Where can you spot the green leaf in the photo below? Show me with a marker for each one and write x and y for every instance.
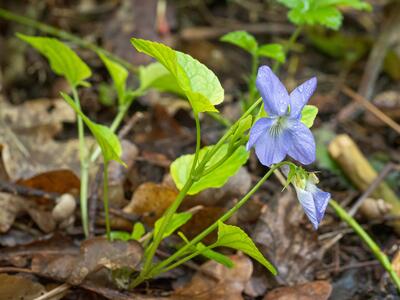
(156, 76)
(308, 115)
(214, 255)
(290, 175)
(106, 94)
(119, 76)
(274, 51)
(242, 127)
(241, 39)
(63, 61)
(180, 168)
(328, 16)
(107, 140)
(323, 12)
(138, 231)
(199, 84)
(233, 237)
(120, 235)
(178, 219)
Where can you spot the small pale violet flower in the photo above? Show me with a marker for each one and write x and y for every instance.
(313, 200)
(282, 133)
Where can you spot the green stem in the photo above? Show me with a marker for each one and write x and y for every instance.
(153, 247)
(382, 258)
(7, 15)
(84, 165)
(220, 119)
(114, 125)
(164, 264)
(288, 47)
(106, 200)
(175, 205)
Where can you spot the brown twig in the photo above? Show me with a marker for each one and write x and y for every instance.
(372, 108)
(128, 125)
(21, 190)
(206, 33)
(374, 185)
(54, 292)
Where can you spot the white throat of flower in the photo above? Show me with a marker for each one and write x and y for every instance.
(279, 125)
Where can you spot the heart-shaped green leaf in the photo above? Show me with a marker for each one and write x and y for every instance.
(199, 83)
(180, 168)
(156, 76)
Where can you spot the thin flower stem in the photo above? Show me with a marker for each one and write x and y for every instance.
(382, 258)
(106, 200)
(114, 125)
(293, 38)
(84, 165)
(164, 264)
(175, 205)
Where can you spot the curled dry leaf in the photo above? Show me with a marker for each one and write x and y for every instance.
(283, 236)
(15, 287)
(150, 200)
(225, 284)
(317, 290)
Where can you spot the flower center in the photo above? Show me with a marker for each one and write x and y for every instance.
(278, 126)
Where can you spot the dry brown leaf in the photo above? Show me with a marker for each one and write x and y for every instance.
(95, 254)
(26, 138)
(283, 236)
(201, 220)
(230, 284)
(10, 207)
(317, 290)
(56, 181)
(151, 200)
(15, 287)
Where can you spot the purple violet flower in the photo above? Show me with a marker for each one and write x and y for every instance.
(314, 201)
(282, 132)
